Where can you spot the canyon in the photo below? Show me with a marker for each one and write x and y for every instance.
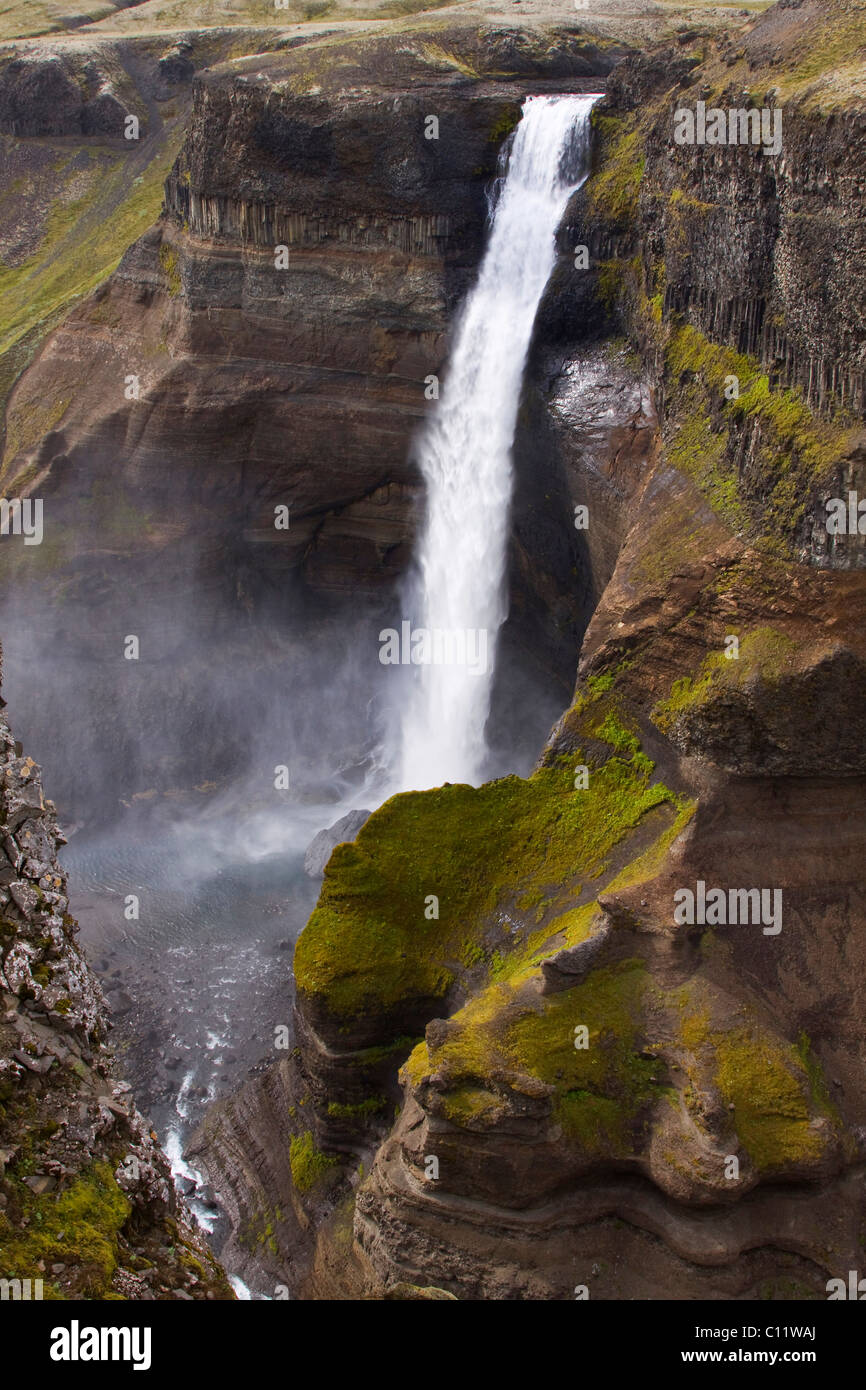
(434, 1130)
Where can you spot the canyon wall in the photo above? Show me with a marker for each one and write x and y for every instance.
(554, 1085)
(598, 1096)
(214, 383)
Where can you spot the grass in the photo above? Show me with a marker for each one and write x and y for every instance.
(20, 20)
(83, 242)
(118, 196)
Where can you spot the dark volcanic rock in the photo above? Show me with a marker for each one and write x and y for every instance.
(63, 1112)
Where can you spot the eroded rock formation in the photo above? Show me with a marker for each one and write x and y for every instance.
(599, 1093)
(87, 1202)
(557, 1082)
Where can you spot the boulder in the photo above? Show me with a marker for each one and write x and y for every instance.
(320, 847)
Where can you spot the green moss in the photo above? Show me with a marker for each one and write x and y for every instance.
(83, 239)
(598, 1095)
(310, 1167)
(610, 283)
(680, 202)
(695, 1027)
(649, 864)
(77, 1226)
(821, 1098)
(467, 1105)
(471, 954)
(258, 1231)
(699, 451)
(598, 1091)
(373, 1105)
(793, 449)
(368, 945)
(670, 539)
(597, 1123)
(765, 1081)
(617, 735)
(27, 423)
(599, 685)
(468, 1051)
(612, 192)
(168, 261)
(372, 1057)
(446, 57)
(765, 654)
(507, 121)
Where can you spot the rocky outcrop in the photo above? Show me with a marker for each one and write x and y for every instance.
(43, 94)
(320, 847)
(737, 271)
(87, 1203)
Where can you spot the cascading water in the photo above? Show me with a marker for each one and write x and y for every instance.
(457, 592)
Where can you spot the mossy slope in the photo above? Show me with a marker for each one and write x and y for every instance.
(369, 948)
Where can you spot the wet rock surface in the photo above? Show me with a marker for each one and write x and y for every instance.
(320, 847)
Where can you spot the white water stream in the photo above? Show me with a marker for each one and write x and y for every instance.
(457, 593)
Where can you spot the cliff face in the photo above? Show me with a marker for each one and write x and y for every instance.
(758, 262)
(244, 365)
(87, 1203)
(289, 380)
(602, 1093)
(562, 1082)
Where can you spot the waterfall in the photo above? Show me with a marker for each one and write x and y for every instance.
(457, 591)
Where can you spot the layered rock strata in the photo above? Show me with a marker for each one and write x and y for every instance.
(610, 1090)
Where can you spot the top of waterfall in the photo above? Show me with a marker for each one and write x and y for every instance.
(550, 144)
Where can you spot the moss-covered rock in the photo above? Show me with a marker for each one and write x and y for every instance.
(406, 909)
(78, 1227)
(310, 1167)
